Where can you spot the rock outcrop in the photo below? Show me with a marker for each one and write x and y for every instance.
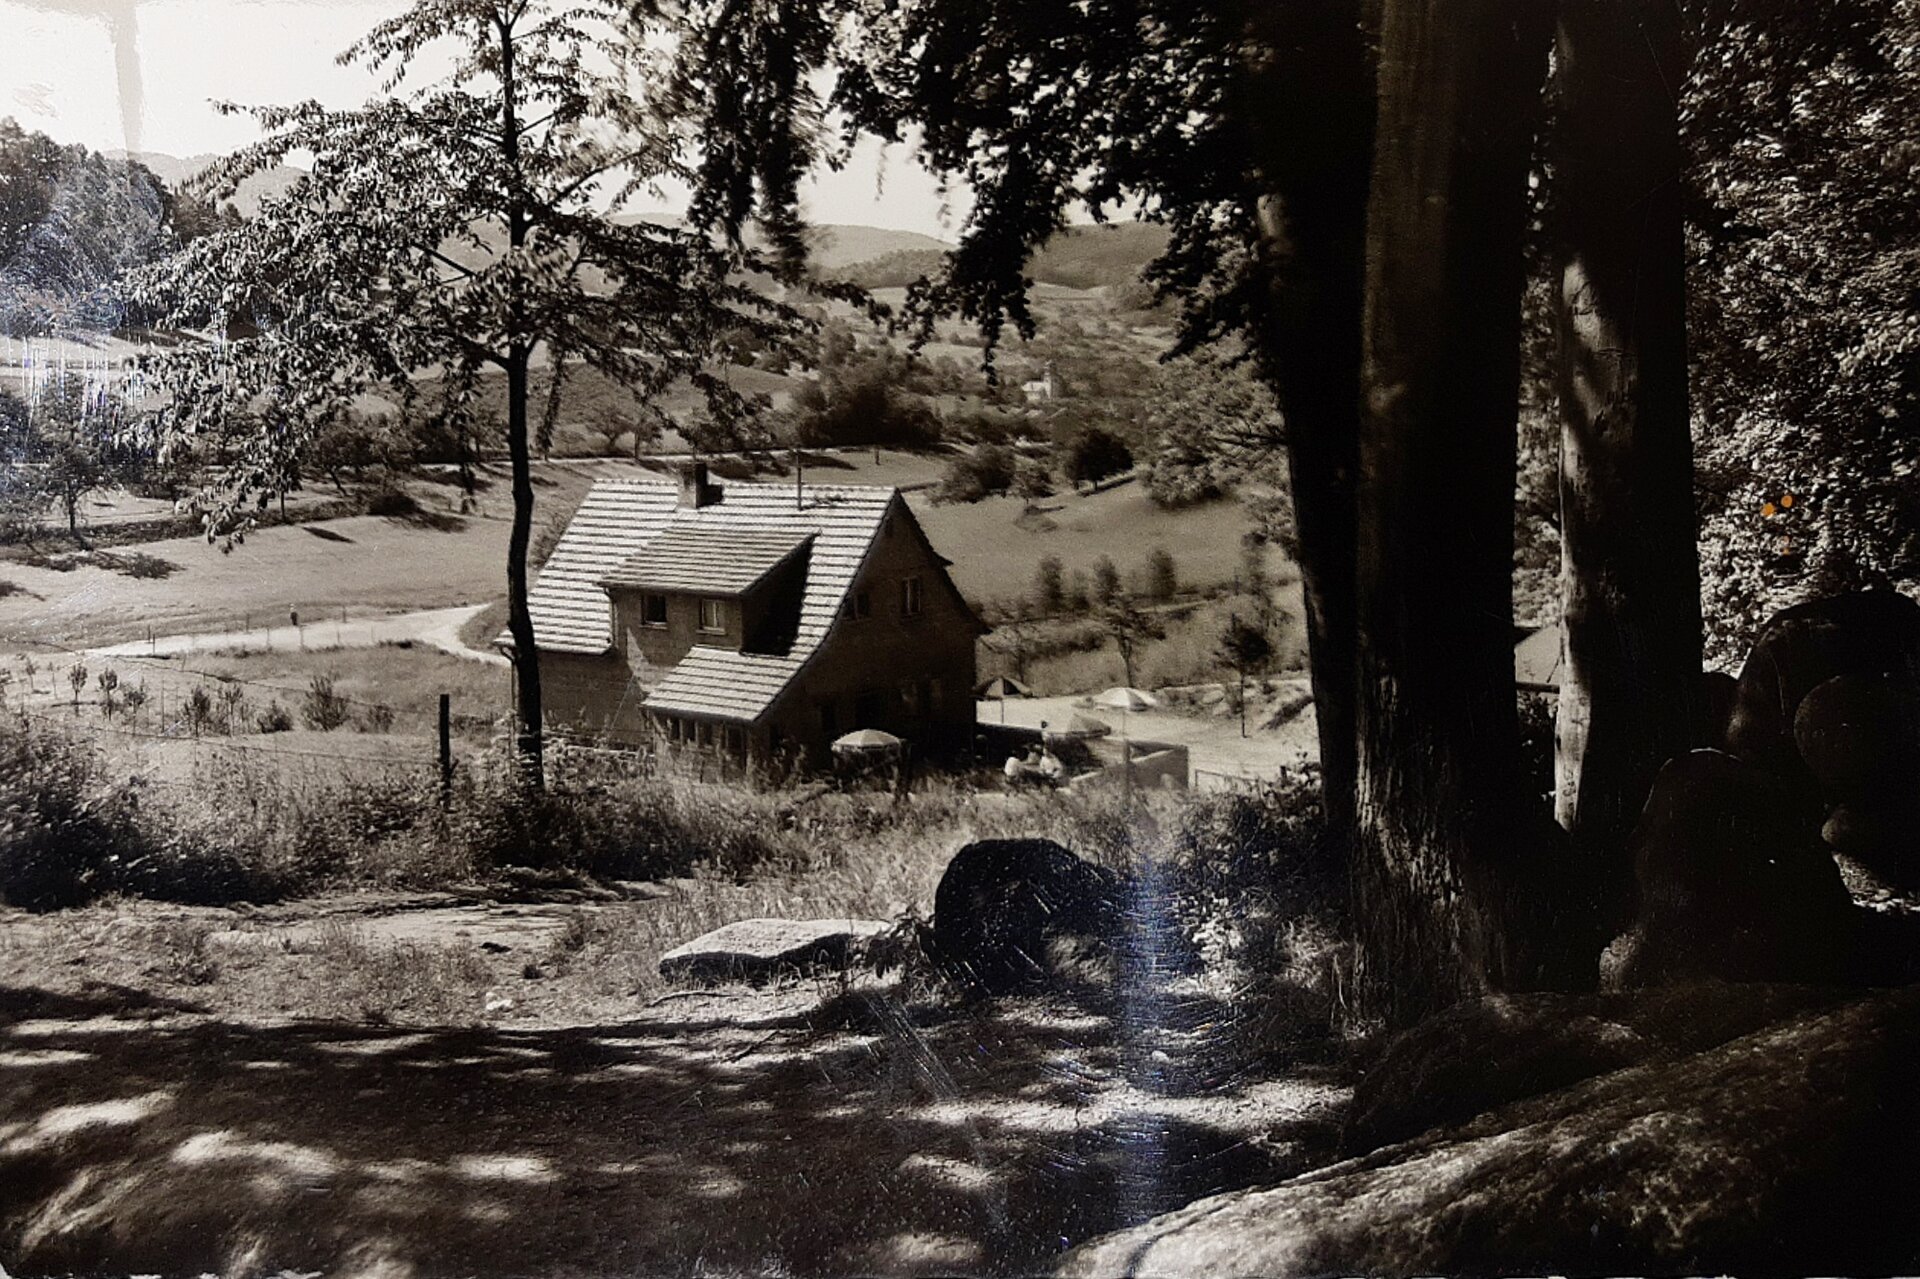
(1478, 1056)
(1788, 1150)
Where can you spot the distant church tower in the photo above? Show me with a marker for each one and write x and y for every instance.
(1042, 387)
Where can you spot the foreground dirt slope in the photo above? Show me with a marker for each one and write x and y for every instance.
(747, 1132)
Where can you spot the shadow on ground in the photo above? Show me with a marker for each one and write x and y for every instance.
(855, 1137)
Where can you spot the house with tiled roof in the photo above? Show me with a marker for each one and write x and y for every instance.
(757, 622)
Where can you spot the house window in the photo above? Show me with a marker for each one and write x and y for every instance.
(675, 729)
(910, 597)
(736, 738)
(858, 605)
(713, 616)
(706, 733)
(910, 697)
(653, 610)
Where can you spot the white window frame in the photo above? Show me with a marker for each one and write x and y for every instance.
(717, 607)
(913, 596)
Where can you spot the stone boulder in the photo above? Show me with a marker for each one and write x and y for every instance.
(1730, 882)
(1480, 1055)
(1859, 735)
(759, 950)
(1865, 633)
(1022, 914)
(1788, 1150)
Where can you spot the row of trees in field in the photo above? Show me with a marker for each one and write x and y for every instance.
(1351, 194)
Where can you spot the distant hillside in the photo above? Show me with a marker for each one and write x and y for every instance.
(71, 220)
(836, 246)
(175, 171)
(1082, 257)
(1088, 257)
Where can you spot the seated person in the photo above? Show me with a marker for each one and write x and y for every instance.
(1016, 767)
(1052, 769)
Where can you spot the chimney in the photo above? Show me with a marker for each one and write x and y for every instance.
(695, 491)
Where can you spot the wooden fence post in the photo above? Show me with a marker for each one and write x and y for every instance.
(446, 749)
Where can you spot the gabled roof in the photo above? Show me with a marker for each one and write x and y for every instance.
(708, 555)
(619, 519)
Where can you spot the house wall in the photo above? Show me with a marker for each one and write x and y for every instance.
(654, 649)
(872, 671)
(592, 695)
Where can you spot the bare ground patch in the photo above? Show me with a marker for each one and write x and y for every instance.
(815, 1129)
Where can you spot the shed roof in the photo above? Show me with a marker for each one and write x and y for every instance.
(710, 556)
(619, 519)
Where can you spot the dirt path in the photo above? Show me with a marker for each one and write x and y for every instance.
(795, 1131)
(438, 628)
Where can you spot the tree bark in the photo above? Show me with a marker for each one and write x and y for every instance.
(1630, 578)
(1444, 892)
(528, 740)
(1312, 94)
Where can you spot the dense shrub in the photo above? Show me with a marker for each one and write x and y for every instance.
(274, 719)
(863, 404)
(394, 502)
(1092, 454)
(61, 825)
(1162, 575)
(981, 472)
(72, 831)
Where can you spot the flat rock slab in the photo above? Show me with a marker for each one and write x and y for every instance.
(755, 950)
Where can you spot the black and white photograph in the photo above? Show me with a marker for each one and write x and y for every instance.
(829, 638)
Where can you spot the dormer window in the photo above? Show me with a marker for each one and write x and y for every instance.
(653, 610)
(713, 616)
(911, 597)
(859, 605)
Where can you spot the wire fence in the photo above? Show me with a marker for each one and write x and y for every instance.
(160, 698)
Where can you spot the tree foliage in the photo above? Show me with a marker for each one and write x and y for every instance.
(457, 225)
(1805, 310)
(72, 438)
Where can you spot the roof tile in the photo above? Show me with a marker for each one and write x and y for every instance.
(620, 526)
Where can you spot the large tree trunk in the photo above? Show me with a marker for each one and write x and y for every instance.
(1629, 570)
(528, 740)
(1444, 892)
(1312, 94)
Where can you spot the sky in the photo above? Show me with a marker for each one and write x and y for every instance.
(142, 75)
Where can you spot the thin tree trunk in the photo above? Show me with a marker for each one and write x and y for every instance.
(1441, 876)
(1630, 575)
(529, 743)
(526, 657)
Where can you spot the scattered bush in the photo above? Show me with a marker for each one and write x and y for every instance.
(322, 708)
(376, 719)
(200, 717)
(274, 719)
